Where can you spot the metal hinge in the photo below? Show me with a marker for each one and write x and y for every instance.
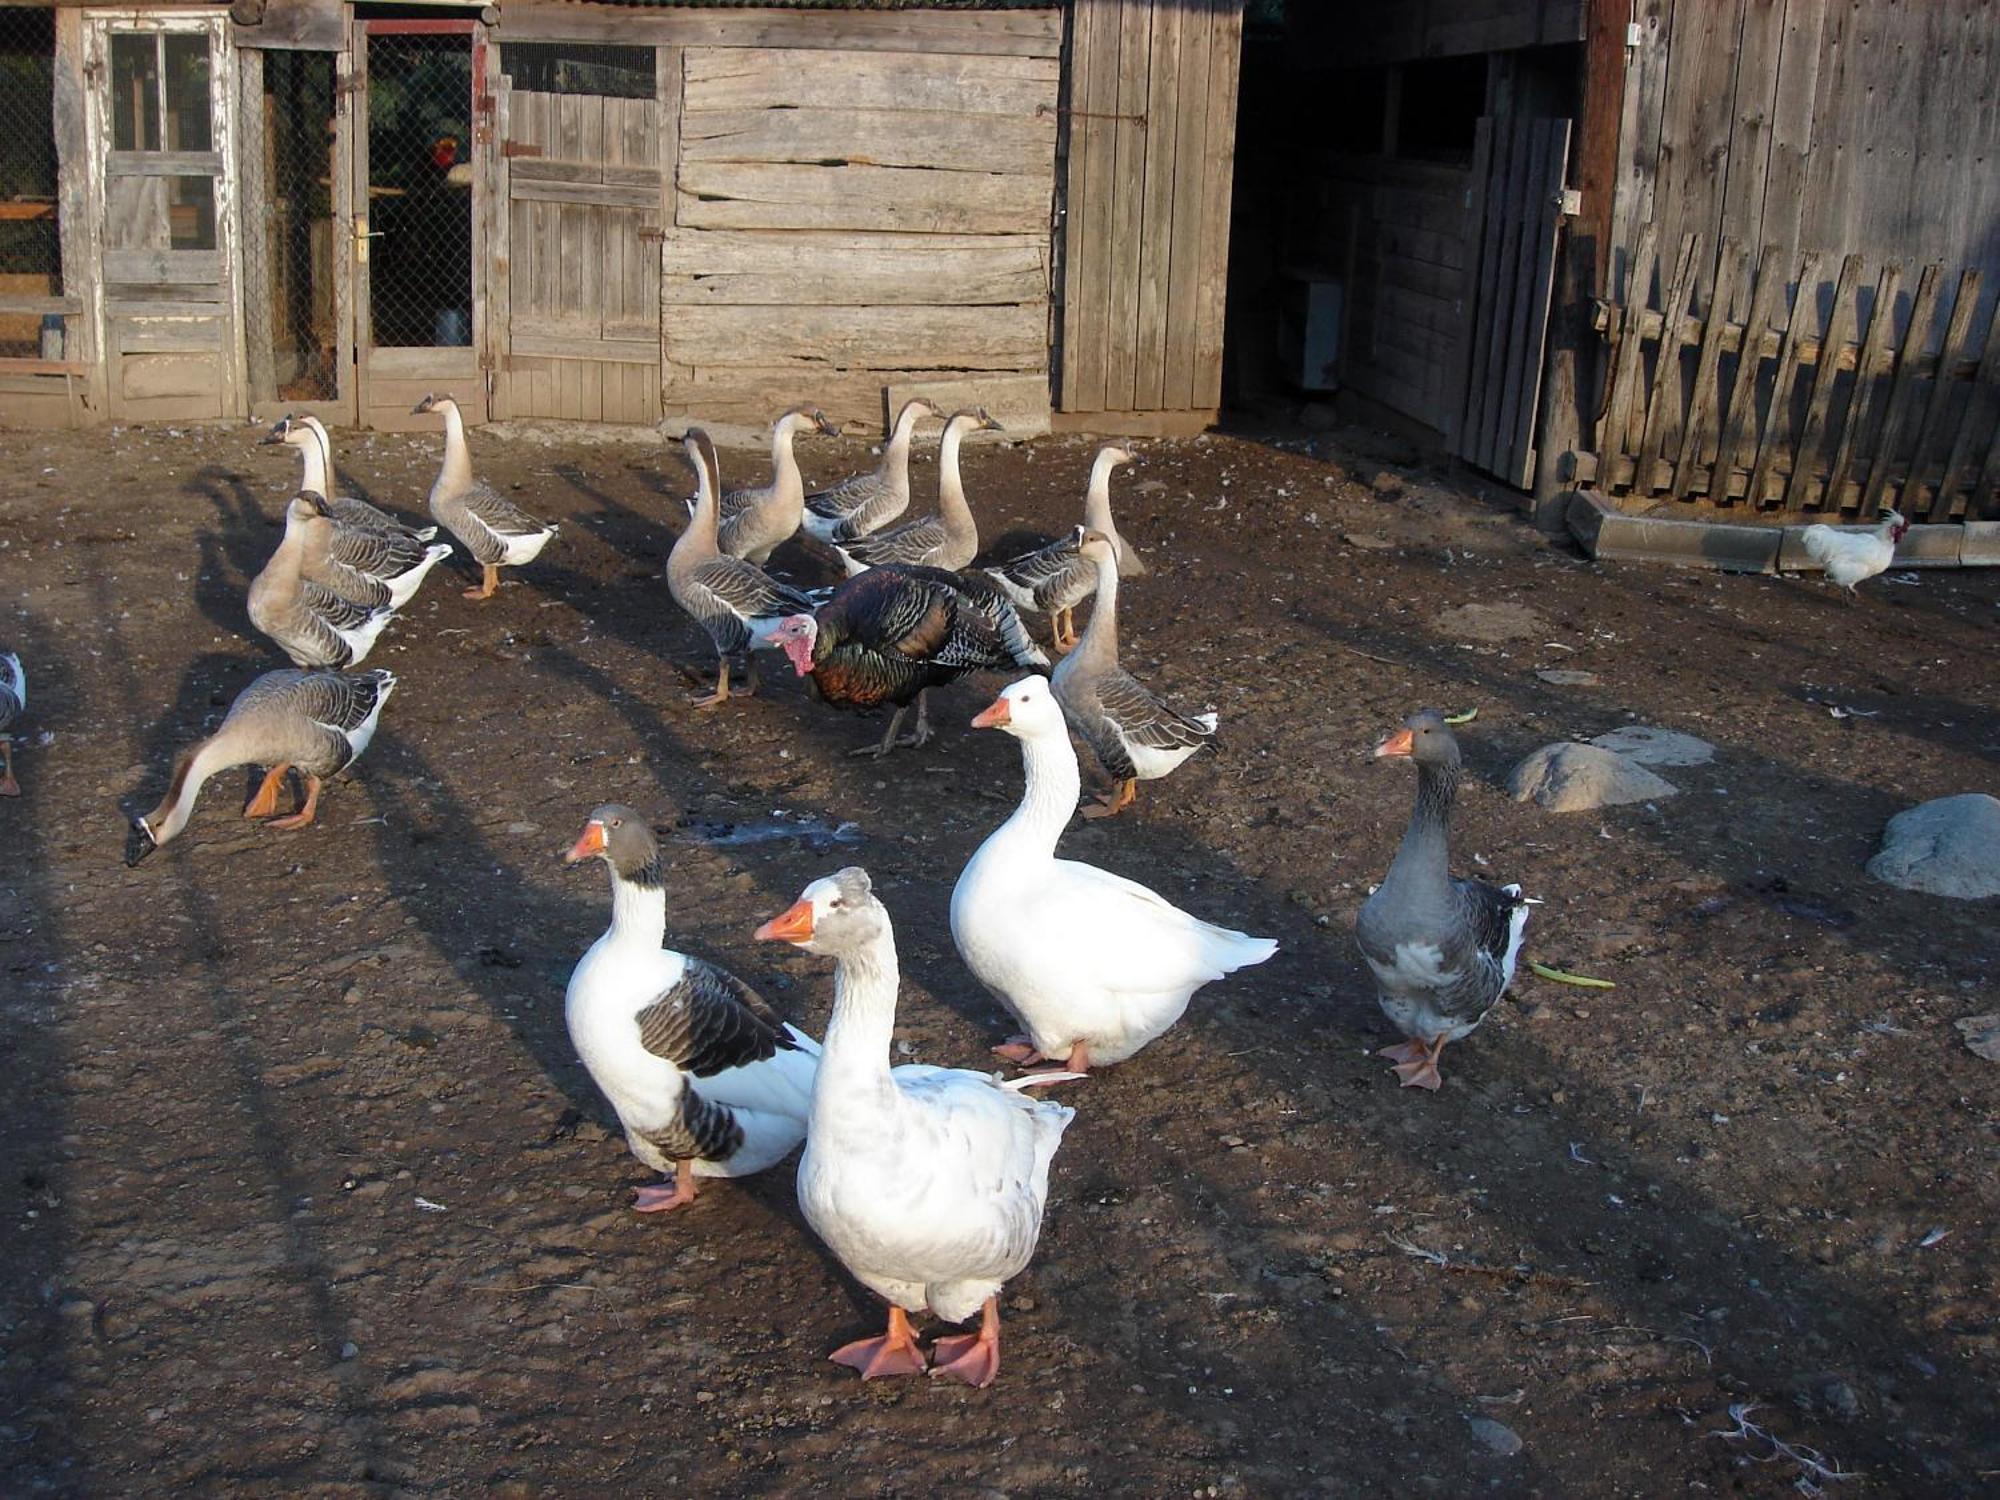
(1569, 202)
(519, 148)
(653, 236)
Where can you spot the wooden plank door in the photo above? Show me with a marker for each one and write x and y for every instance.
(1520, 165)
(1151, 131)
(421, 145)
(161, 122)
(578, 319)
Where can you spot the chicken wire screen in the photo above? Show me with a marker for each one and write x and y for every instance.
(30, 245)
(420, 190)
(289, 267)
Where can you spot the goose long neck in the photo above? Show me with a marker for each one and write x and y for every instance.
(785, 475)
(315, 476)
(639, 910)
(456, 473)
(952, 504)
(1048, 797)
(207, 759)
(702, 533)
(1099, 645)
(1423, 859)
(854, 1064)
(1097, 499)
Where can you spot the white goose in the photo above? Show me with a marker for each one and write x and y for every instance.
(707, 1081)
(1095, 966)
(928, 1183)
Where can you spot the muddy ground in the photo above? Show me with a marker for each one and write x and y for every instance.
(306, 1193)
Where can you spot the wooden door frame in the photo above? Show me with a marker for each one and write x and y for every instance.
(474, 403)
(99, 25)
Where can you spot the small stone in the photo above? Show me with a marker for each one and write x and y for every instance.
(1387, 484)
(1568, 677)
(1021, 1304)
(1982, 1035)
(350, 1350)
(702, 1398)
(1368, 541)
(1571, 777)
(1946, 847)
(1496, 1437)
(1651, 746)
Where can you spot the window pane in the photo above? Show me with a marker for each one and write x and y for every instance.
(191, 213)
(570, 68)
(30, 247)
(135, 93)
(187, 94)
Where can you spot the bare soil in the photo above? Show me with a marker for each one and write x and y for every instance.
(305, 1192)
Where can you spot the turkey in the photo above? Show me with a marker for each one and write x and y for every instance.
(1853, 557)
(891, 634)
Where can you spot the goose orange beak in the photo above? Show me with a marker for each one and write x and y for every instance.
(1402, 742)
(588, 845)
(792, 925)
(995, 714)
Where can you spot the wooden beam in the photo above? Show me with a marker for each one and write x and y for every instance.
(1008, 33)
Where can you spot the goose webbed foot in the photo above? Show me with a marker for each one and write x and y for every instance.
(1020, 1050)
(1416, 1063)
(488, 584)
(972, 1357)
(266, 801)
(659, 1198)
(305, 814)
(1113, 803)
(894, 1353)
(721, 693)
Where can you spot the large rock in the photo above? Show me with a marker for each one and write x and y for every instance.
(1947, 847)
(1651, 746)
(1571, 777)
(1490, 623)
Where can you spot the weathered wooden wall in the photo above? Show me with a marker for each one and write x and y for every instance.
(1151, 157)
(846, 220)
(1834, 127)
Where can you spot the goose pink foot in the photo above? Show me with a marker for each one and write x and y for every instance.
(661, 1199)
(1416, 1063)
(972, 1357)
(894, 1353)
(1018, 1049)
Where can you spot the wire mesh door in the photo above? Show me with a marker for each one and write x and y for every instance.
(416, 238)
(293, 224)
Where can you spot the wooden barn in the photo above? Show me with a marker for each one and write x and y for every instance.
(621, 213)
(1738, 253)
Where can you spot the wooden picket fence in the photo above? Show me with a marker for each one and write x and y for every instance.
(1826, 413)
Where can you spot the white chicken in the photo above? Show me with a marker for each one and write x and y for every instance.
(1852, 557)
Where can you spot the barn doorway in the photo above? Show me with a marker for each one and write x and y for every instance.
(416, 230)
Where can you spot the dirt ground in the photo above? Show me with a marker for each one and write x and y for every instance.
(307, 1194)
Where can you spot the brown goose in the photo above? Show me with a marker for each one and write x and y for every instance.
(1442, 950)
(310, 623)
(497, 532)
(755, 521)
(707, 1081)
(1055, 578)
(949, 539)
(866, 502)
(1134, 735)
(733, 599)
(317, 722)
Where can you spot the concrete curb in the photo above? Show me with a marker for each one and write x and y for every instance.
(1734, 547)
